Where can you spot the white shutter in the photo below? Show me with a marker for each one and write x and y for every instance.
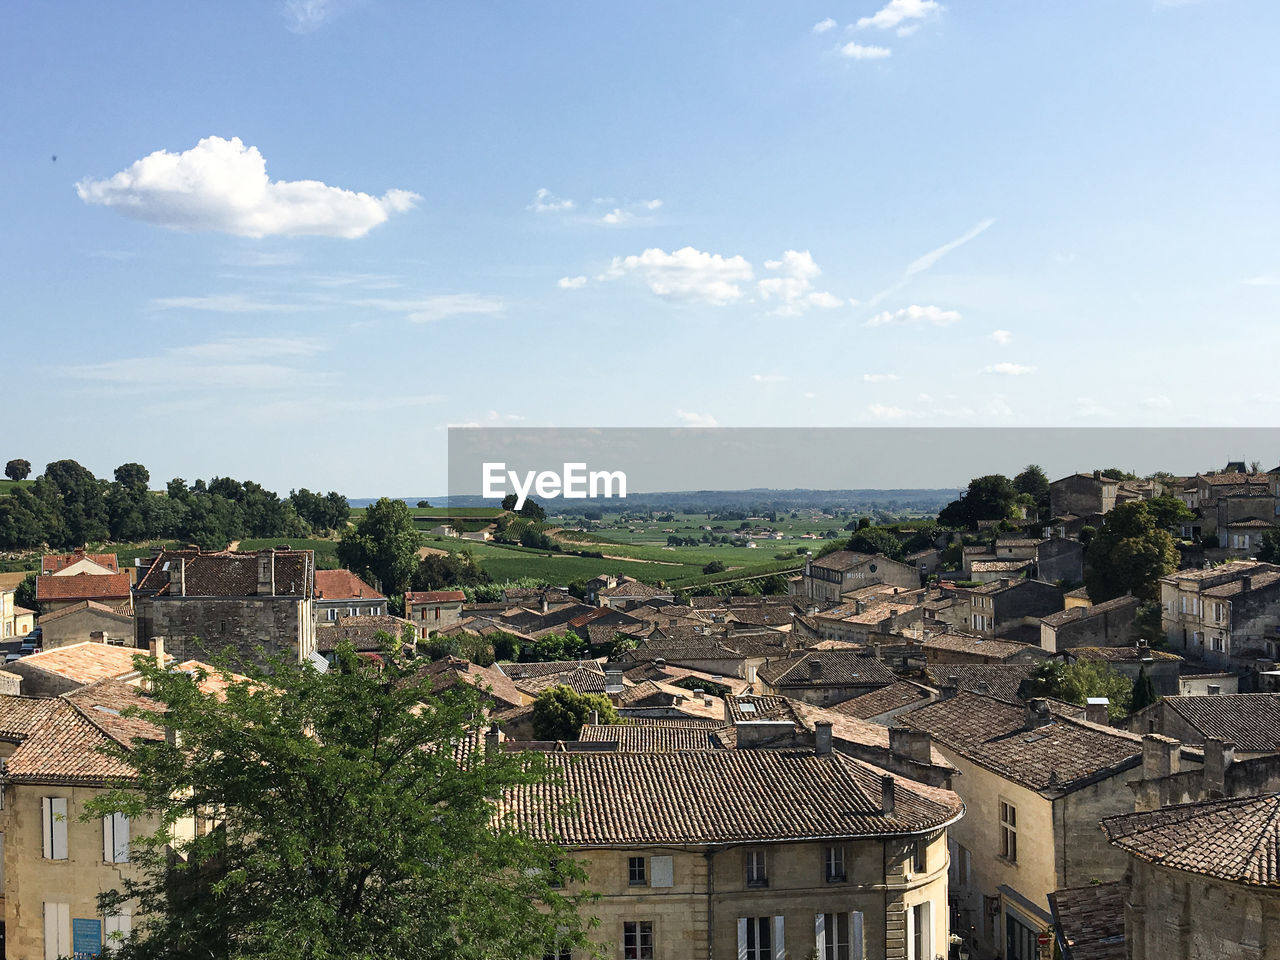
(820, 932)
(55, 828)
(661, 872)
(911, 933)
(117, 928)
(779, 940)
(57, 930)
(115, 838)
(856, 951)
(742, 938)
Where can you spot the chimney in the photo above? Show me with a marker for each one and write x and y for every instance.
(1037, 713)
(660, 662)
(1218, 757)
(613, 681)
(982, 687)
(698, 691)
(953, 685)
(1246, 584)
(886, 795)
(544, 602)
(1097, 474)
(912, 744)
(815, 670)
(1160, 756)
(822, 737)
(178, 577)
(266, 573)
(492, 737)
(875, 651)
(1095, 710)
(595, 717)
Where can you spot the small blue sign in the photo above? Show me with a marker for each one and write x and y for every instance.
(86, 938)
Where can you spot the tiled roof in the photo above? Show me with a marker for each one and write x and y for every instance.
(524, 671)
(1250, 523)
(656, 737)
(877, 702)
(1236, 839)
(20, 715)
(636, 590)
(962, 643)
(359, 630)
(84, 662)
(838, 668)
(586, 679)
(1084, 613)
(228, 574)
(82, 586)
(445, 673)
(1129, 654)
(1090, 920)
(1257, 581)
(1001, 680)
(1233, 568)
(1056, 756)
(1000, 566)
(104, 702)
(94, 605)
(1249, 720)
(431, 596)
(344, 585)
(720, 797)
(747, 708)
(53, 562)
(842, 560)
(65, 748)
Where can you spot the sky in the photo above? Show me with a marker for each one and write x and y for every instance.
(297, 241)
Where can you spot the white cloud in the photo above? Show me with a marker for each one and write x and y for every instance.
(768, 377)
(914, 314)
(571, 283)
(696, 419)
(687, 274)
(616, 215)
(895, 12)
(1002, 337)
(226, 303)
(822, 26)
(792, 285)
(933, 256)
(880, 377)
(858, 51)
(253, 362)
(653, 204)
(303, 16)
(1009, 369)
(222, 185)
(882, 412)
(544, 201)
(439, 307)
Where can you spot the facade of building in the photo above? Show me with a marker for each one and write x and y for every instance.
(1110, 624)
(79, 622)
(1223, 615)
(824, 678)
(431, 610)
(1082, 494)
(829, 578)
(340, 593)
(15, 621)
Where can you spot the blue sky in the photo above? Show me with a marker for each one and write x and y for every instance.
(293, 242)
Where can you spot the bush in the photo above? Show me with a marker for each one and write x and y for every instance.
(560, 713)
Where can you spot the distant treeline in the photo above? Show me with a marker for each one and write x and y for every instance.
(749, 502)
(67, 506)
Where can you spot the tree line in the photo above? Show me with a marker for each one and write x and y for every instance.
(67, 506)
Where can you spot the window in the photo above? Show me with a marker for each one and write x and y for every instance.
(57, 930)
(637, 940)
(635, 872)
(835, 865)
(55, 828)
(1008, 832)
(839, 936)
(437, 613)
(1020, 940)
(115, 838)
(920, 857)
(760, 938)
(756, 873)
(921, 936)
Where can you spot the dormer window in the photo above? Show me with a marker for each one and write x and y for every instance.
(834, 865)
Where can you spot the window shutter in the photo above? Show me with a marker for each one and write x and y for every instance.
(911, 933)
(55, 828)
(779, 941)
(742, 938)
(57, 932)
(820, 933)
(108, 839)
(46, 805)
(856, 951)
(115, 838)
(117, 928)
(661, 872)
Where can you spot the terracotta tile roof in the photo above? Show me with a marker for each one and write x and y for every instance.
(656, 737)
(84, 662)
(746, 708)
(523, 671)
(1257, 581)
(583, 680)
(361, 631)
(878, 702)
(229, 574)
(497, 685)
(842, 560)
(82, 586)
(838, 668)
(720, 797)
(20, 715)
(1232, 568)
(1001, 680)
(1129, 654)
(431, 596)
(94, 605)
(1249, 720)
(343, 585)
(66, 747)
(53, 562)
(1000, 566)
(1056, 757)
(1090, 920)
(1236, 839)
(104, 702)
(639, 591)
(1250, 523)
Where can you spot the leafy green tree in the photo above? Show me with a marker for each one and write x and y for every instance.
(1077, 682)
(424, 504)
(509, 501)
(134, 476)
(1129, 555)
(987, 498)
(24, 595)
(560, 712)
(382, 545)
(532, 511)
(1115, 473)
(1269, 552)
(345, 825)
(876, 540)
(552, 647)
(84, 508)
(1144, 691)
(1033, 482)
(24, 520)
(1168, 512)
(17, 469)
(441, 572)
(715, 566)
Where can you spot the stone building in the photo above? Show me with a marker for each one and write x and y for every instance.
(754, 854)
(824, 677)
(431, 610)
(829, 578)
(340, 593)
(1035, 781)
(1203, 880)
(1223, 615)
(1113, 623)
(1003, 607)
(1248, 721)
(1082, 494)
(1162, 667)
(249, 604)
(79, 622)
(15, 621)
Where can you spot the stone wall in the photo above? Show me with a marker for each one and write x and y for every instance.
(199, 628)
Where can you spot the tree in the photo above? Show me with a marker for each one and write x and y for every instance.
(24, 595)
(876, 540)
(383, 545)
(509, 501)
(84, 508)
(1168, 512)
(1129, 555)
(715, 566)
(1077, 682)
(1144, 691)
(1269, 551)
(134, 476)
(532, 511)
(560, 712)
(17, 469)
(987, 498)
(346, 825)
(439, 572)
(424, 504)
(1033, 482)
